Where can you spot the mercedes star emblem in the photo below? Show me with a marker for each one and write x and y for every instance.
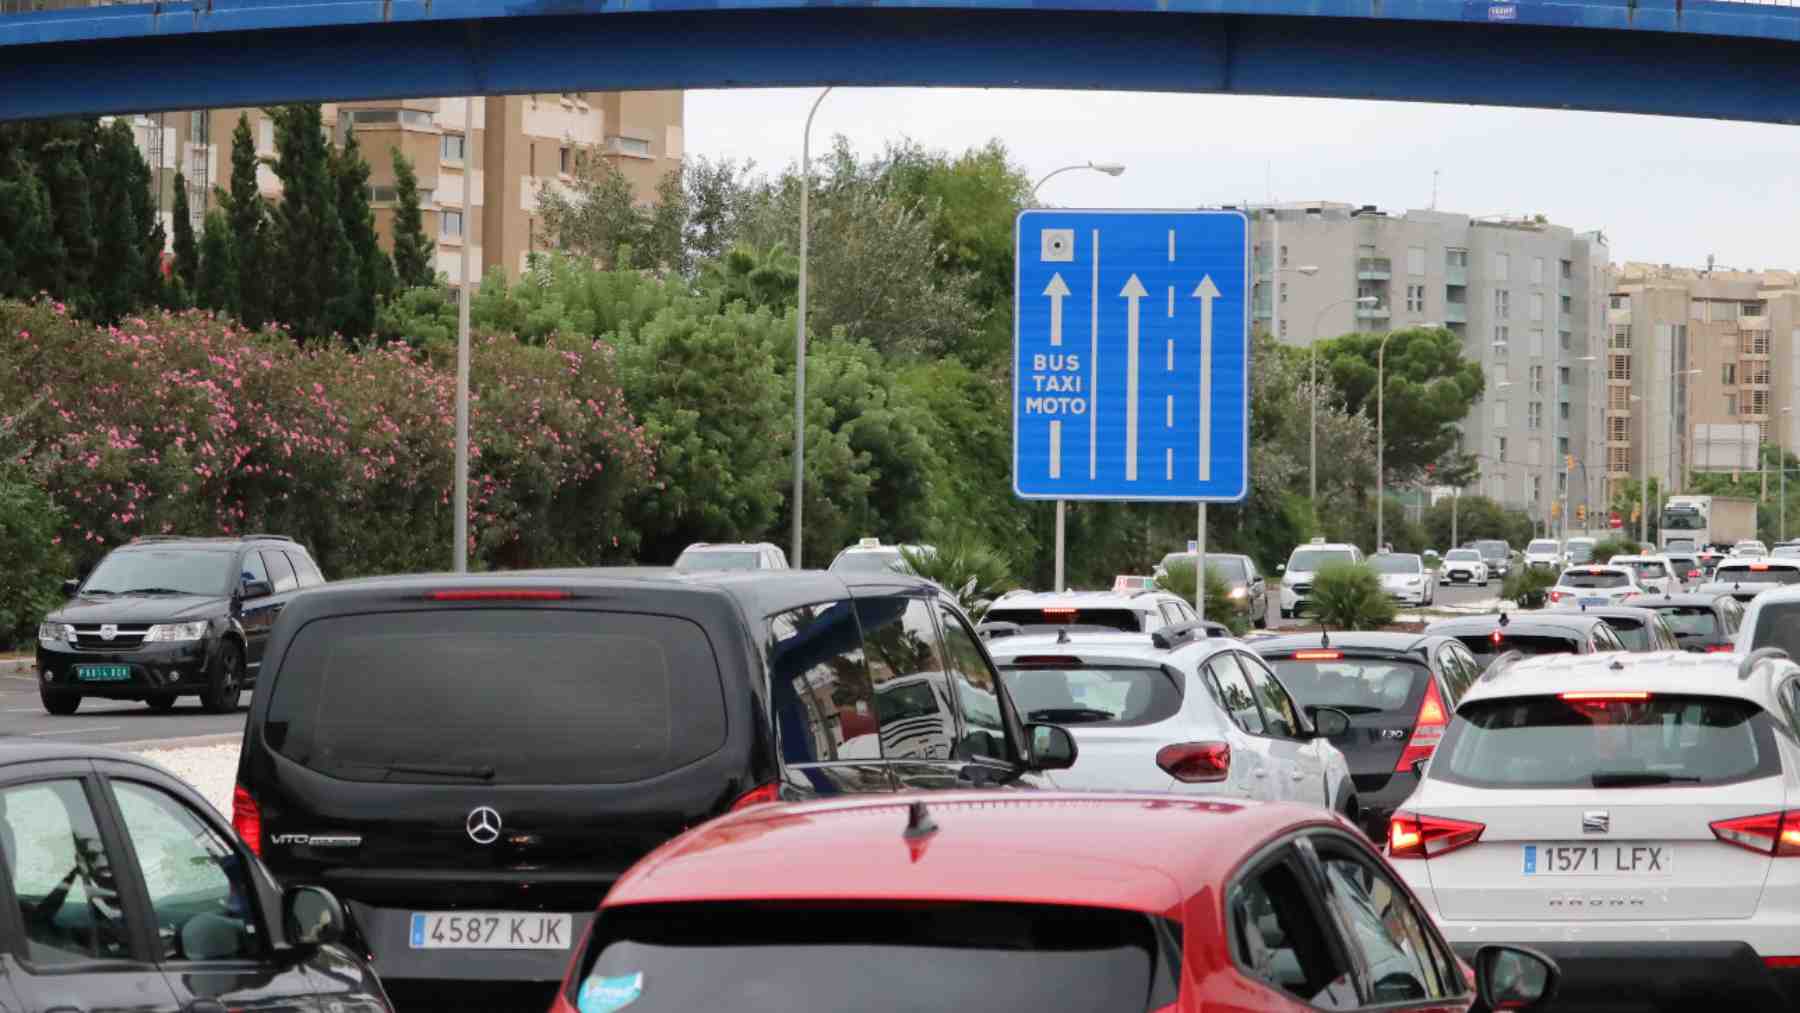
(483, 825)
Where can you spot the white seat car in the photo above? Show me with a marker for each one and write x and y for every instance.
(1604, 584)
(1176, 712)
(1654, 573)
(1463, 566)
(868, 555)
(1125, 611)
(1305, 561)
(1750, 548)
(1635, 816)
(1405, 577)
(1544, 554)
(732, 556)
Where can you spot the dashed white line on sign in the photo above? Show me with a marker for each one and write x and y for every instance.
(1055, 449)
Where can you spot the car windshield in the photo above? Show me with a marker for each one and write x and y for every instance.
(162, 571)
(1580, 552)
(1101, 695)
(1353, 685)
(1463, 556)
(1691, 620)
(1312, 560)
(1683, 518)
(876, 958)
(1785, 551)
(1635, 740)
(1542, 547)
(718, 559)
(1493, 550)
(1397, 563)
(1679, 543)
(1594, 578)
(1124, 619)
(1757, 573)
(1648, 568)
(869, 561)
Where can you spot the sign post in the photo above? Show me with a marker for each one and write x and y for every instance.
(1146, 395)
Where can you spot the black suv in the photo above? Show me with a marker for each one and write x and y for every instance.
(470, 761)
(163, 618)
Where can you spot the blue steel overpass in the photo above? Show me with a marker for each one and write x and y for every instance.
(1724, 60)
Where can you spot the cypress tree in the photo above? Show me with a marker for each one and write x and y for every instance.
(216, 279)
(25, 228)
(64, 148)
(187, 248)
(412, 248)
(248, 218)
(313, 256)
(118, 285)
(374, 271)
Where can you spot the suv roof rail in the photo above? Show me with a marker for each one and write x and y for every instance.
(1757, 657)
(1182, 633)
(161, 538)
(277, 538)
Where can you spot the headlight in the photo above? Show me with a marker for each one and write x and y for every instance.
(168, 633)
(1240, 592)
(55, 633)
(1412, 582)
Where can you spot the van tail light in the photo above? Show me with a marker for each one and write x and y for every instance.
(246, 819)
(1428, 729)
(1719, 649)
(770, 792)
(1556, 596)
(1776, 833)
(1693, 575)
(1411, 835)
(1196, 762)
(1772, 963)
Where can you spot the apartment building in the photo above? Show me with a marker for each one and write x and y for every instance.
(1701, 370)
(478, 181)
(1527, 297)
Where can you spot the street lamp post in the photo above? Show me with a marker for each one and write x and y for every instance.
(1312, 349)
(1111, 169)
(459, 555)
(800, 329)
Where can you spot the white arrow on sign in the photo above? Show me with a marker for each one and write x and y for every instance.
(1056, 290)
(1206, 292)
(1134, 291)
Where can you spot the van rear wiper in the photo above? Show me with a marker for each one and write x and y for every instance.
(1635, 778)
(443, 770)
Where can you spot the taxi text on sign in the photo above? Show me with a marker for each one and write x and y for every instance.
(1131, 353)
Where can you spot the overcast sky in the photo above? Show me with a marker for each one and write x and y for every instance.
(1663, 190)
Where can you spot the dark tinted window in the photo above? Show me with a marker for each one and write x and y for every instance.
(777, 958)
(497, 696)
(1353, 685)
(1632, 633)
(1589, 578)
(1228, 683)
(189, 571)
(1778, 625)
(1279, 716)
(62, 877)
(1403, 960)
(303, 568)
(1548, 742)
(281, 573)
(976, 688)
(254, 569)
(1100, 695)
(1692, 620)
(1459, 669)
(1128, 620)
(1279, 938)
(912, 688)
(1493, 550)
(819, 685)
(1483, 647)
(1757, 573)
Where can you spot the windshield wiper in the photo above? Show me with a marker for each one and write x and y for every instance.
(1635, 778)
(473, 773)
(97, 590)
(1070, 715)
(154, 590)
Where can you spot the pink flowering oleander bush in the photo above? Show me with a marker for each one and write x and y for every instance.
(189, 424)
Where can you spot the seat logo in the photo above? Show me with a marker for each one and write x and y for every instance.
(1596, 821)
(483, 825)
(108, 631)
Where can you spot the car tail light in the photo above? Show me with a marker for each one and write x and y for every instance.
(498, 594)
(1692, 574)
(1196, 762)
(1060, 611)
(246, 819)
(1776, 833)
(1496, 638)
(770, 792)
(1604, 696)
(1759, 567)
(1428, 728)
(1411, 835)
(1556, 596)
(1719, 649)
(1779, 963)
(1318, 655)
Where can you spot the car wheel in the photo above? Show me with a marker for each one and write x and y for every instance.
(225, 681)
(161, 704)
(60, 704)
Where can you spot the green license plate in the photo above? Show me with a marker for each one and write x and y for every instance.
(103, 673)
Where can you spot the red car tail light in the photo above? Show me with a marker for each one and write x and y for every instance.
(246, 819)
(1776, 833)
(1719, 649)
(1556, 596)
(1428, 728)
(1411, 835)
(770, 792)
(1196, 762)
(1783, 963)
(1604, 696)
(1318, 655)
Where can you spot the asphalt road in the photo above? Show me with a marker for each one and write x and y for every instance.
(102, 721)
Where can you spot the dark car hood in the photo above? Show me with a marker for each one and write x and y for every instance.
(139, 608)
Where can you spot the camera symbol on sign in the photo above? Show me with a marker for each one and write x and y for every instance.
(1058, 246)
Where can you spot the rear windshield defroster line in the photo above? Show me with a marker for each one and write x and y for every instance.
(497, 696)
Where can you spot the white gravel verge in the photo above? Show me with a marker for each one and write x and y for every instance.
(212, 770)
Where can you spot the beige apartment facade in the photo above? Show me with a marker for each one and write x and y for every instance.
(478, 181)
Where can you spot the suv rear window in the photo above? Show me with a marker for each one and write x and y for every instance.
(1757, 573)
(879, 958)
(497, 696)
(1549, 742)
(1353, 685)
(1587, 578)
(1092, 696)
(1485, 650)
(1632, 633)
(1127, 620)
(1778, 625)
(1692, 620)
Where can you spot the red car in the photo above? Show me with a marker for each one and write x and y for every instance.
(1012, 901)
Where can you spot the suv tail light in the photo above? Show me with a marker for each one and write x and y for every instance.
(1776, 834)
(1428, 728)
(770, 792)
(246, 819)
(1556, 596)
(1196, 762)
(1719, 649)
(1411, 835)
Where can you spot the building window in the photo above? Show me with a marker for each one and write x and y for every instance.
(1284, 256)
(565, 160)
(1415, 261)
(1568, 270)
(1697, 310)
(1415, 298)
(1456, 257)
(1500, 421)
(1537, 487)
(629, 146)
(1534, 415)
(1562, 412)
(1565, 339)
(1731, 404)
(1566, 305)
(1502, 304)
(1537, 380)
(1537, 343)
(1620, 302)
(1282, 288)
(1284, 327)
(372, 117)
(1619, 368)
(1537, 306)
(1501, 336)
(452, 149)
(1502, 264)
(1562, 444)
(1728, 374)
(1562, 375)
(450, 224)
(1537, 270)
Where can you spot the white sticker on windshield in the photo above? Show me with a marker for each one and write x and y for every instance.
(604, 995)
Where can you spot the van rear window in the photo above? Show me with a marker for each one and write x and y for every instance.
(497, 696)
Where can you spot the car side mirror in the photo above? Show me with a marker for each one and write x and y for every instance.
(71, 586)
(1329, 722)
(1052, 747)
(257, 589)
(312, 916)
(1514, 977)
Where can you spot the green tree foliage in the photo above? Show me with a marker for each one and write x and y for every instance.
(757, 278)
(216, 284)
(1431, 388)
(187, 246)
(374, 278)
(312, 253)
(1178, 579)
(252, 236)
(974, 572)
(30, 538)
(412, 248)
(1349, 596)
(1477, 517)
(1528, 588)
(1605, 550)
(595, 215)
(26, 232)
(120, 234)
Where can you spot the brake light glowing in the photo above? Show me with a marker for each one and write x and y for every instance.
(1411, 835)
(1496, 637)
(1719, 649)
(246, 819)
(1781, 962)
(770, 792)
(1428, 729)
(1759, 566)
(1556, 596)
(1059, 611)
(1196, 762)
(498, 594)
(1693, 574)
(1776, 833)
(1318, 655)
(1603, 696)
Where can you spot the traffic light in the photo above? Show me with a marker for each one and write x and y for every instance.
(1568, 462)
(1581, 512)
(1555, 508)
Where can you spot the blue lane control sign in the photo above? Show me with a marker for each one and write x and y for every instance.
(1131, 355)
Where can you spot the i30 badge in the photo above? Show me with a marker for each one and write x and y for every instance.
(1596, 821)
(483, 825)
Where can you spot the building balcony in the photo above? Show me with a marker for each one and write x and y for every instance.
(1378, 312)
(1456, 313)
(1374, 269)
(1456, 274)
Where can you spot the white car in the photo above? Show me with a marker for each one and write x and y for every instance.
(1578, 550)
(1634, 816)
(1750, 548)
(732, 556)
(1181, 713)
(1772, 619)
(1463, 566)
(1305, 561)
(1687, 567)
(1544, 554)
(1405, 577)
(870, 556)
(1126, 611)
(1654, 573)
(1746, 579)
(1604, 584)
